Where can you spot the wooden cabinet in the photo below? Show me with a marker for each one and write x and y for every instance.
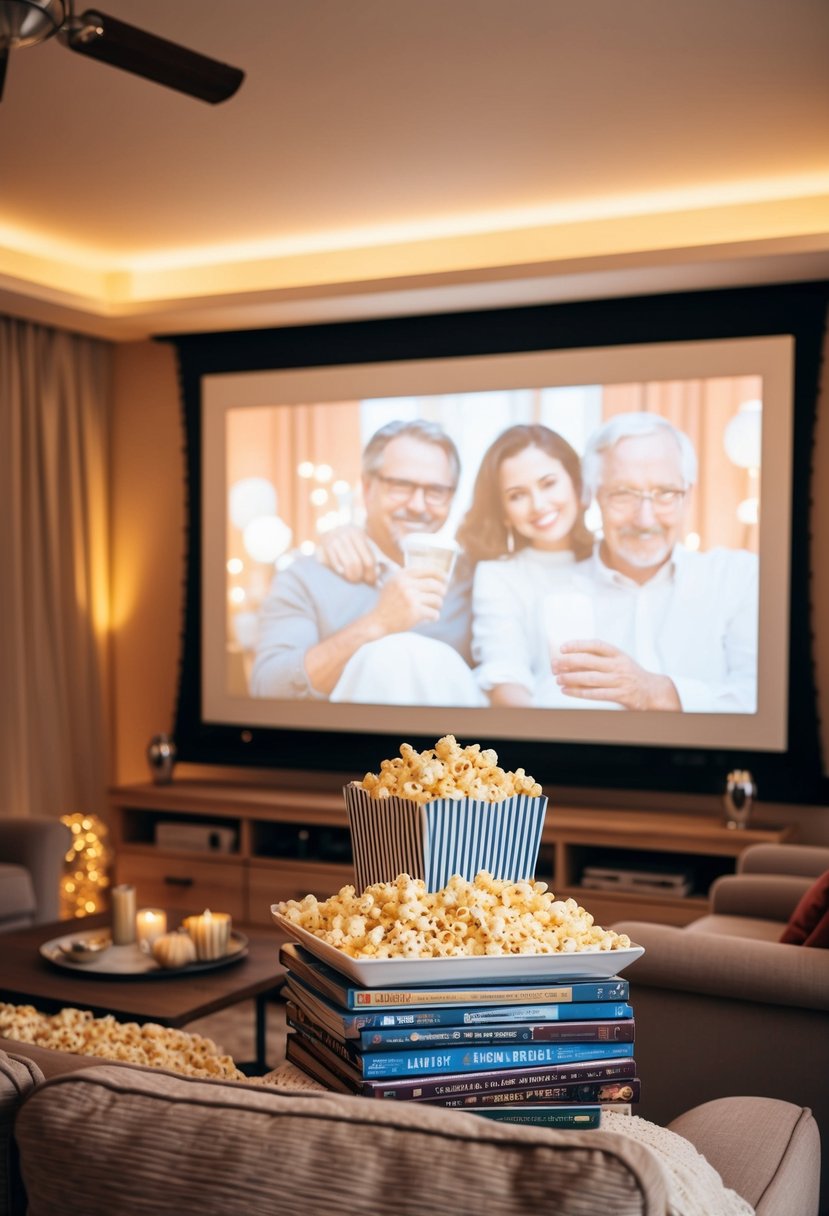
(175, 880)
(240, 848)
(274, 844)
(646, 865)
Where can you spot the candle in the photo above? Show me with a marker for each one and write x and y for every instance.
(123, 915)
(150, 923)
(210, 933)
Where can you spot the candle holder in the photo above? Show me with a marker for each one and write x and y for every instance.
(123, 914)
(210, 933)
(150, 923)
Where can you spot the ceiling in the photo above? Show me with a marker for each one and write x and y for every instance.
(386, 157)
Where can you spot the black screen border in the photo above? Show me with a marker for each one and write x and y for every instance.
(799, 310)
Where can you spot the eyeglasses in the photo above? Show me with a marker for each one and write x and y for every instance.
(625, 500)
(400, 490)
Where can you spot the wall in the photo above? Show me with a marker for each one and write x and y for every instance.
(148, 531)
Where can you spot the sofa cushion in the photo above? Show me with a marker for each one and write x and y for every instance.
(18, 1075)
(736, 926)
(17, 897)
(162, 1144)
(785, 1175)
(809, 923)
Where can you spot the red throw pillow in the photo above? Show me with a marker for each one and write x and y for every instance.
(809, 923)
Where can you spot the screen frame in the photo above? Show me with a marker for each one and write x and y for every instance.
(795, 773)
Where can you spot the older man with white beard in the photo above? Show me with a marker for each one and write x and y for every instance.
(673, 629)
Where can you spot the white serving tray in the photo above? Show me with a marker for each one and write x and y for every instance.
(495, 969)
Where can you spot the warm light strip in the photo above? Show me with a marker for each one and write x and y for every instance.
(497, 222)
(114, 284)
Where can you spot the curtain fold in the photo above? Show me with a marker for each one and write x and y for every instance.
(54, 570)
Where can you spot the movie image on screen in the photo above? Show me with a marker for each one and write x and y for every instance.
(574, 545)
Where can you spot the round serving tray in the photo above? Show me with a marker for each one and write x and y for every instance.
(130, 962)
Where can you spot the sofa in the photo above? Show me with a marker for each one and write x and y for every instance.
(88, 1138)
(32, 852)
(723, 1007)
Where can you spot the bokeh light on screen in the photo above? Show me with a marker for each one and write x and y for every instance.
(748, 512)
(743, 436)
(250, 497)
(266, 537)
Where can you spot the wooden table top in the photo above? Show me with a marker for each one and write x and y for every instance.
(171, 999)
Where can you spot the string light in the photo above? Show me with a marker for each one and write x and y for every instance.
(87, 864)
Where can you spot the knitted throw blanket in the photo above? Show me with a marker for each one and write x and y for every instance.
(694, 1187)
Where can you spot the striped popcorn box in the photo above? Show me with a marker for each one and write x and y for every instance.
(434, 840)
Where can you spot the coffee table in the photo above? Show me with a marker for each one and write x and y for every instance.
(170, 1000)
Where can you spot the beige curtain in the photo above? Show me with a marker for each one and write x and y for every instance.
(54, 577)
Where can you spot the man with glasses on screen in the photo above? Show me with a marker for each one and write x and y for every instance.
(360, 626)
(672, 629)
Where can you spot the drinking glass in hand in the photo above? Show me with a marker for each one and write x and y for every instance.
(568, 615)
(427, 551)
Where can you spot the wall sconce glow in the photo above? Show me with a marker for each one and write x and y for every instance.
(692, 541)
(743, 436)
(305, 469)
(319, 496)
(237, 595)
(250, 497)
(323, 472)
(308, 548)
(235, 565)
(266, 538)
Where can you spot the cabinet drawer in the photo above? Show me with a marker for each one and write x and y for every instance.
(184, 883)
(291, 880)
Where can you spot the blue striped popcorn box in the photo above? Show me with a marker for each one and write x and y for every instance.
(434, 840)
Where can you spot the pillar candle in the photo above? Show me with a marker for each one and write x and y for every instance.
(210, 933)
(123, 915)
(150, 923)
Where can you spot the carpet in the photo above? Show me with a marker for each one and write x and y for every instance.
(234, 1031)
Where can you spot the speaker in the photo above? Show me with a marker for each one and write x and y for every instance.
(201, 837)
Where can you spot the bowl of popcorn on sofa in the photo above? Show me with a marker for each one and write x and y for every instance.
(447, 811)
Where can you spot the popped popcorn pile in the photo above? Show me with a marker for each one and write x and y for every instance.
(488, 916)
(448, 771)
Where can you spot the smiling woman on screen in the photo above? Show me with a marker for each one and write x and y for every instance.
(526, 530)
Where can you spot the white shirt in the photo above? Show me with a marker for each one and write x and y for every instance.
(695, 621)
(509, 630)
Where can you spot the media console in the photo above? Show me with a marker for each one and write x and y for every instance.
(259, 844)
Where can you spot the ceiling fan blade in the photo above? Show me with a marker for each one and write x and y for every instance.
(124, 46)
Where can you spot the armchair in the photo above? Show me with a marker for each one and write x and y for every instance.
(31, 864)
(723, 1008)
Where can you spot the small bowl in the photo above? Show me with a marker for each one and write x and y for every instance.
(85, 949)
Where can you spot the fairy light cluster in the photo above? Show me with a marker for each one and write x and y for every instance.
(86, 879)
